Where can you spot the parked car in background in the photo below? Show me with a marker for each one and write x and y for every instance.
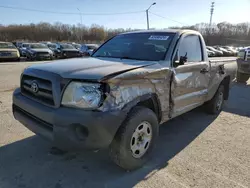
(55, 48)
(217, 52)
(210, 53)
(87, 49)
(225, 52)
(68, 50)
(243, 62)
(76, 45)
(231, 49)
(8, 51)
(38, 51)
(22, 48)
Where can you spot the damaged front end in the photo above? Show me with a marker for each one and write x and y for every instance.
(129, 88)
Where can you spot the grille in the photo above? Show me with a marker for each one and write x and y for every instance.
(69, 53)
(4, 53)
(42, 53)
(44, 93)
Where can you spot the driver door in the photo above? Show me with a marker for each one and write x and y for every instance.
(191, 79)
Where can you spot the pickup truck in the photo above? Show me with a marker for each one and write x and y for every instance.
(119, 96)
(243, 62)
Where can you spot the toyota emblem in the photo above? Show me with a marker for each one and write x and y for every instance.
(34, 87)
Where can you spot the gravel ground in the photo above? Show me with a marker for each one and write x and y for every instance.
(193, 150)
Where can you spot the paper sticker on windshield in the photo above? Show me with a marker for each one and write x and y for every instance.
(158, 37)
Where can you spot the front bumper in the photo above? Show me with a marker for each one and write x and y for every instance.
(13, 57)
(67, 128)
(42, 57)
(67, 54)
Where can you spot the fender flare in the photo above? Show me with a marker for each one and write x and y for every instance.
(140, 99)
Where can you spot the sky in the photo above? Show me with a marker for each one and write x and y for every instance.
(168, 12)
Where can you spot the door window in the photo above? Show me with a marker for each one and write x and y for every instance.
(191, 46)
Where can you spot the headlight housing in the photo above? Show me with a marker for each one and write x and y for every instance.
(82, 95)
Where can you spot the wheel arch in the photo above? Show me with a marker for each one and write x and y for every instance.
(149, 100)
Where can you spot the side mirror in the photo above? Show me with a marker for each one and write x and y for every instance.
(181, 61)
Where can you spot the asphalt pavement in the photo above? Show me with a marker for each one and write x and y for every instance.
(193, 150)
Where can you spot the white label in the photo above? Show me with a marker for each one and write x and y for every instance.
(158, 37)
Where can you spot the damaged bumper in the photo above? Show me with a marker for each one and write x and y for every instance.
(67, 128)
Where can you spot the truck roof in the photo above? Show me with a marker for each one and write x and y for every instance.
(177, 31)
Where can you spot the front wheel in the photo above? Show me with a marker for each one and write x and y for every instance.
(135, 139)
(29, 58)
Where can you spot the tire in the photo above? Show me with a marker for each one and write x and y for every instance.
(28, 57)
(242, 78)
(120, 148)
(215, 105)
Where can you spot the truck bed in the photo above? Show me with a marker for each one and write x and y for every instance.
(217, 59)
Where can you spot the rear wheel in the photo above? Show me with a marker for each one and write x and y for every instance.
(242, 78)
(135, 139)
(215, 105)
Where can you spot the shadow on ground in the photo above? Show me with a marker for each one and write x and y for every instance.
(28, 162)
(239, 101)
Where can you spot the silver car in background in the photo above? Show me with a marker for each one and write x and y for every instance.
(88, 49)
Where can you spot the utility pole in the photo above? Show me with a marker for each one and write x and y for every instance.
(147, 15)
(81, 24)
(211, 15)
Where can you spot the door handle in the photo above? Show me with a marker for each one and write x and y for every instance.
(204, 71)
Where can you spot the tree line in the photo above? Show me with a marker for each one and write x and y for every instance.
(223, 33)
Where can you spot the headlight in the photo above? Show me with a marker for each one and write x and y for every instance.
(82, 95)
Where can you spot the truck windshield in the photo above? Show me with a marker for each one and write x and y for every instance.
(141, 46)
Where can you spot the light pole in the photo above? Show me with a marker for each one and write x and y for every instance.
(81, 23)
(211, 15)
(147, 14)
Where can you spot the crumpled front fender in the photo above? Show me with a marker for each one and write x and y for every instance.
(130, 86)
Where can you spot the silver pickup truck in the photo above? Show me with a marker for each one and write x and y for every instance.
(119, 96)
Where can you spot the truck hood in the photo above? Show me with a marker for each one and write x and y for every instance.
(90, 68)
